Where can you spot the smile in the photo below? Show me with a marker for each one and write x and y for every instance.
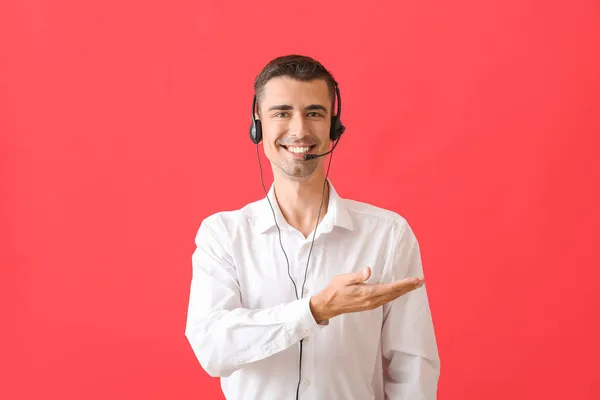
(299, 149)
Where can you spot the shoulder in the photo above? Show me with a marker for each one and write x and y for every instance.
(365, 212)
(224, 223)
(378, 220)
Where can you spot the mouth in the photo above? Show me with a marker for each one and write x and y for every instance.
(299, 150)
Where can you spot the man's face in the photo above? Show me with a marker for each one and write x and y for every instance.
(296, 117)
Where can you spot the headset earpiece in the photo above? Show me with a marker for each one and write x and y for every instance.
(256, 131)
(337, 128)
(256, 127)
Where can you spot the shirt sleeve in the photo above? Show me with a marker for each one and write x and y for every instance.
(409, 347)
(223, 335)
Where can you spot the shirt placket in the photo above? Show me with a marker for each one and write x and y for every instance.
(308, 358)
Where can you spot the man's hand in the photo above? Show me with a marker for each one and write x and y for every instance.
(347, 293)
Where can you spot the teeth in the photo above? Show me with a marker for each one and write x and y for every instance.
(298, 150)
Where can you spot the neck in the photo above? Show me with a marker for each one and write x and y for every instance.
(299, 200)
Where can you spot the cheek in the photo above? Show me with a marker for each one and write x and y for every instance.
(271, 134)
(270, 146)
(271, 150)
(321, 129)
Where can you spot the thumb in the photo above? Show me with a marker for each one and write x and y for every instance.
(359, 276)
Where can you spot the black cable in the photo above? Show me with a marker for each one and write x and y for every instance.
(285, 254)
(275, 220)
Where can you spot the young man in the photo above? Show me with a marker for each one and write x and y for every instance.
(281, 308)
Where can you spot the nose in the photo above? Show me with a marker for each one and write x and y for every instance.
(298, 126)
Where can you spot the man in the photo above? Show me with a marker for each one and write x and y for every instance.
(281, 308)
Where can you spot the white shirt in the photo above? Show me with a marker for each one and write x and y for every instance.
(244, 322)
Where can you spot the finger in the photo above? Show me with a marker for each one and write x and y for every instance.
(407, 282)
(406, 287)
(358, 277)
(397, 288)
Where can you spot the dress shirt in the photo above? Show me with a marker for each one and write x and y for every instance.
(244, 322)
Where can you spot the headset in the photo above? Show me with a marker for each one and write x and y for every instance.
(335, 133)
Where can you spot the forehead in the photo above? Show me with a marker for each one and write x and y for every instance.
(286, 90)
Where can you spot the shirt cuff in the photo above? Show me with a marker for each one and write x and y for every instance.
(300, 322)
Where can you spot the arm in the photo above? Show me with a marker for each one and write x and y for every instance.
(223, 335)
(408, 339)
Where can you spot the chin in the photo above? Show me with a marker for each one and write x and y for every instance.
(297, 172)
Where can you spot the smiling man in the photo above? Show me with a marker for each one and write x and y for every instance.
(305, 294)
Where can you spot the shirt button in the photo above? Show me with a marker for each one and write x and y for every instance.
(307, 383)
(305, 291)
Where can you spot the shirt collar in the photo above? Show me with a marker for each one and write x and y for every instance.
(337, 213)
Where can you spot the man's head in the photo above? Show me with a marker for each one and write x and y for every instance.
(295, 99)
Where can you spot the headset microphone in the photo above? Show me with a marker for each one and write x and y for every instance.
(313, 156)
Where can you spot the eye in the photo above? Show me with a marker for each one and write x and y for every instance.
(314, 114)
(282, 114)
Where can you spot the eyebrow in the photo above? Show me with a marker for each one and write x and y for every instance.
(285, 107)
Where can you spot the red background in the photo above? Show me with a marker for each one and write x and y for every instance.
(124, 123)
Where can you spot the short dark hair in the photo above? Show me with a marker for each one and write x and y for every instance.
(299, 67)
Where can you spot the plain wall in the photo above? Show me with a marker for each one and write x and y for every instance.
(124, 123)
